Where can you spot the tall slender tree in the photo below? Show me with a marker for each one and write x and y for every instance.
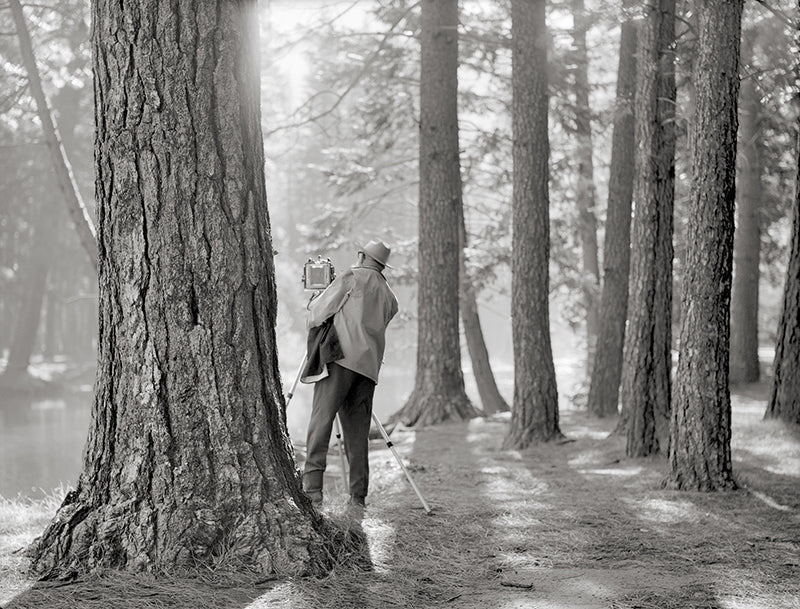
(534, 413)
(438, 393)
(784, 398)
(607, 366)
(79, 215)
(491, 400)
(645, 389)
(700, 431)
(747, 238)
(585, 192)
(187, 453)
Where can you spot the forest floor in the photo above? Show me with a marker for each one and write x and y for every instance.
(566, 525)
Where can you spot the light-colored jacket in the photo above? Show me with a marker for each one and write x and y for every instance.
(362, 305)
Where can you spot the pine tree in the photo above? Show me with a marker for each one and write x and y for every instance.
(187, 453)
(607, 367)
(534, 413)
(700, 430)
(784, 398)
(438, 393)
(645, 388)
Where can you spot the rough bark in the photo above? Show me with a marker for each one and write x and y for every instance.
(784, 397)
(491, 400)
(747, 238)
(700, 431)
(645, 386)
(585, 192)
(438, 393)
(187, 454)
(534, 414)
(66, 181)
(604, 386)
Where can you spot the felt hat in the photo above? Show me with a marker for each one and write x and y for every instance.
(377, 250)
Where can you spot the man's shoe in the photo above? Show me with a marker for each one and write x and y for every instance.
(357, 502)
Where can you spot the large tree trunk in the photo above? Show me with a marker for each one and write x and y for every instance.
(645, 387)
(534, 414)
(700, 449)
(66, 182)
(604, 387)
(585, 192)
(784, 397)
(187, 454)
(491, 400)
(747, 238)
(438, 393)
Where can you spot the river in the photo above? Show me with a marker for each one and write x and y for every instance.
(42, 440)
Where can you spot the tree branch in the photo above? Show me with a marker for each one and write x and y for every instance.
(777, 12)
(66, 181)
(355, 80)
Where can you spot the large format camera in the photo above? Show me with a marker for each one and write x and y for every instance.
(318, 274)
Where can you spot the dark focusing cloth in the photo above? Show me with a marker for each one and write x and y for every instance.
(323, 348)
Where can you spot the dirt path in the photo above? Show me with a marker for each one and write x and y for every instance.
(572, 525)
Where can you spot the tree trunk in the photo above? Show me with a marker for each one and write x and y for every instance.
(491, 400)
(534, 415)
(700, 450)
(747, 238)
(29, 317)
(604, 387)
(187, 455)
(66, 182)
(784, 397)
(585, 190)
(645, 386)
(438, 393)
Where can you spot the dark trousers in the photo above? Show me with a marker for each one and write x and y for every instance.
(350, 394)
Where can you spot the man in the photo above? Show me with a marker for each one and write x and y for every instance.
(362, 304)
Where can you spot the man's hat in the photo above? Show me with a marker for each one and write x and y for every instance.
(378, 251)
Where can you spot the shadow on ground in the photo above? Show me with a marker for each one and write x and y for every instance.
(569, 525)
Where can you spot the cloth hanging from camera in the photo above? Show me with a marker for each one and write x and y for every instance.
(323, 348)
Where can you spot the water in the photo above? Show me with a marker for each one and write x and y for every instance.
(41, 442)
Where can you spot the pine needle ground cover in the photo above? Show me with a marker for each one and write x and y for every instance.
(562, 525)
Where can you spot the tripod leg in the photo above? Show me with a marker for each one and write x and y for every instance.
(342, 457)
(296, 378)
(400, 462)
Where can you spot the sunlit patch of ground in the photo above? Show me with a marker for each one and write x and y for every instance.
(21, 520)
(572, 525)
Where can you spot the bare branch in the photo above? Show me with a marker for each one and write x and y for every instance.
(12, 99)
(66, 181)
(777, 12)
(50, 7)
(355, 80)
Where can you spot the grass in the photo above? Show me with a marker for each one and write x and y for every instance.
(573, 524)
(21, 519)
